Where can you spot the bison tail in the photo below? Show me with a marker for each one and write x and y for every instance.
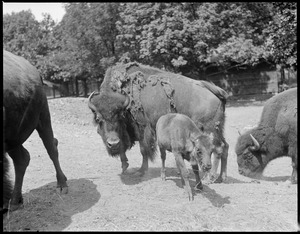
(7, 185)
(149, 142)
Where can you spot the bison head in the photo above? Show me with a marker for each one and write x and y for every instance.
(108, 109)
(203, 147)
(251, 157)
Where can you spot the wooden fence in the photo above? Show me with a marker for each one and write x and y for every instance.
(237, 83)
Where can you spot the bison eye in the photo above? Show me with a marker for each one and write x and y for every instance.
(98, 119)
(100, 123)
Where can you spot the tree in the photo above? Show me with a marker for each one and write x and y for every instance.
(282, 41)
(87, 35)
(189, 37)
(21, 34)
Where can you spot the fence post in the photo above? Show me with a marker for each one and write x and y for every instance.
(53, 89)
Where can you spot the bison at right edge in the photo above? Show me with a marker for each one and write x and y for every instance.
(275, 136)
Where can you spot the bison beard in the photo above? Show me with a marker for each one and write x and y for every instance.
(126, 135)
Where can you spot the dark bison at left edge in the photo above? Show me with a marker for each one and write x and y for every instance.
(25, 108)
(134, 96)
(275, 136)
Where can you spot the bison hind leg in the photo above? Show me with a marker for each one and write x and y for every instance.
(45, 131)
(7, 185)
(294, 176)
(21, 158)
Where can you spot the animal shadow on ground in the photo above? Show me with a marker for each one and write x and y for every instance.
(45, 209)
(130, 177)
(215, 199)
(275, 178)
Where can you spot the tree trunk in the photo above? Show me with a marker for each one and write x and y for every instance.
(76, 87)
(85, 88)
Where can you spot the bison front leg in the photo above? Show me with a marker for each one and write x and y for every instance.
(220, 152)
(124, 162)
(224, 155)
(21, 158)
(144, 166)
(184, 175)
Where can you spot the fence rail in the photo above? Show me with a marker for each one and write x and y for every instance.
(236, 84)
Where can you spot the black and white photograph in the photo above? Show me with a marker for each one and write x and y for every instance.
(150, 116)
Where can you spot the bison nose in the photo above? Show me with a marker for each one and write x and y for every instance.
(113, 143)
(206, 167)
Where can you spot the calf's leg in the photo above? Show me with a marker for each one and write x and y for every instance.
(199, 185)
(184, 175)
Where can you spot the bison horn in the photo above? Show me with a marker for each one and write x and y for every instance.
(91, 106)
(256, 144)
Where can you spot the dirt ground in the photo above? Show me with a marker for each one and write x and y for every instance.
(101, 198)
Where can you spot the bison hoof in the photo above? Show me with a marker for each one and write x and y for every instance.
(218, 180)
(62, 190)
(208, 179)
(14, 206)
(199, 187)
(294, 181)
(124, 166)
(190, 195)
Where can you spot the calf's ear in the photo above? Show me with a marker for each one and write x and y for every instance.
(189, 145)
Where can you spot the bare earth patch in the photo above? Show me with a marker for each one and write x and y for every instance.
(101, 198)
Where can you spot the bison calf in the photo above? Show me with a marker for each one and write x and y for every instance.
(177, 133)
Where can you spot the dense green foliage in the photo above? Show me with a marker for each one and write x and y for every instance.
(183, 37)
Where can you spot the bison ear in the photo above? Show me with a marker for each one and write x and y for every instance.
(127, 101)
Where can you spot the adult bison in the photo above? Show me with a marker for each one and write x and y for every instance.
(25, 108)
(132, 98)
(275, 136)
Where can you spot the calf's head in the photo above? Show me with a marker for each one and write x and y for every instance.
(108, 116)
(202, 150)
